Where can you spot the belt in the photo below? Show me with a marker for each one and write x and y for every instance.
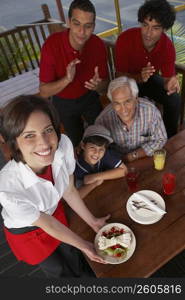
(22, 229)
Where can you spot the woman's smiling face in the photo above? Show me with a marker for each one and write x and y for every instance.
(38, 141)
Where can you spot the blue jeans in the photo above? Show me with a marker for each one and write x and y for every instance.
(154, 89)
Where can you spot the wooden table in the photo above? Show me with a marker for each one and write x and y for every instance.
(157, 243)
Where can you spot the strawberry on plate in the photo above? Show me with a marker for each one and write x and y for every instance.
(115, 243)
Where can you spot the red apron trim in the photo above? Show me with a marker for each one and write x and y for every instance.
(35, 246)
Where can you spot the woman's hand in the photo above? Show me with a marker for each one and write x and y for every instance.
(90, 251)
(98, 223)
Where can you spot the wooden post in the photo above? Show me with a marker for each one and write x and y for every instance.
(47, 15)
(60, 10)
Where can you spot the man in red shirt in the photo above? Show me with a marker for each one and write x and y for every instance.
(73, 69)
(148, 55)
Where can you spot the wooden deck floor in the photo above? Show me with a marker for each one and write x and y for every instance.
(27, 83)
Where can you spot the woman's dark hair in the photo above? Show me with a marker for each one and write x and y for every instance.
(96, 140)
(84, 5)
(14, 117)
(159, 10)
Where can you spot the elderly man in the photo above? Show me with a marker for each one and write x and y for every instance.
(135, 123)
(72, 72)
(144, 52)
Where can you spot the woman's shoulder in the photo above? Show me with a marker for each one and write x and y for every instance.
(10, 166)
(9, 176)
(64, 143)
(65, 148)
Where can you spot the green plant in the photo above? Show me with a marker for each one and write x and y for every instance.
(177, 34)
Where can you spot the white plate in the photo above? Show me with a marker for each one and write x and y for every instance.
(144, 216)
(110, 259)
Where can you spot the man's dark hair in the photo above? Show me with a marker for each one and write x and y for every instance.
(84, 5)
(14, 117)
(96, 140)
(159, 10)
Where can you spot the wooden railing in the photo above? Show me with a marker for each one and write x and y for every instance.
(20, 51)
(20, 47)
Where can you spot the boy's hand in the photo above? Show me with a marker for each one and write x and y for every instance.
(99, 182)
(91, 178)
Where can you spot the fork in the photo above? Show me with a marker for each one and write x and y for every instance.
(138, 205)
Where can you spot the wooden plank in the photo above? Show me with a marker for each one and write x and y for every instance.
(15, 39)
(9, 45)
(36, 37)
(22, 38)
(32, 45)
(176, 142)
(3, 50)
(27, 83)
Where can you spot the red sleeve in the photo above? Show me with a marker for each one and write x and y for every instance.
(121, 54)
(102, 58)
(168, 67)
(47, 69)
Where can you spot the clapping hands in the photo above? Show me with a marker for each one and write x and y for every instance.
(71, 69)
(93, 83)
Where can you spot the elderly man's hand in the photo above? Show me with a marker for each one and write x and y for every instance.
(147, 72)
(93, 83)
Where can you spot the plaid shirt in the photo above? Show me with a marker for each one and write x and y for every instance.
(147, 131)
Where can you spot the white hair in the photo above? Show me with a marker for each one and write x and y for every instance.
(122, 82)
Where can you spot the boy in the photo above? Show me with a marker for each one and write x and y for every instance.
(96, 161)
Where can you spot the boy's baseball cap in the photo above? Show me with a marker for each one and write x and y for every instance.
(98, 130)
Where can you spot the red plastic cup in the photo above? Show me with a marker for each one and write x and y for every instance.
(169, 183)
(132, 179)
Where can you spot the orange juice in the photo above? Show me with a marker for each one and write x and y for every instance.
(159, 159)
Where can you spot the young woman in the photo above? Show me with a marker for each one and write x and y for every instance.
(32, 184)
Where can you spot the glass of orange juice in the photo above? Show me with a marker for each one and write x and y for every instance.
(159, 159)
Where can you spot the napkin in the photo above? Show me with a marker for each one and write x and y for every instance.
(123, 240)
(147, 201)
